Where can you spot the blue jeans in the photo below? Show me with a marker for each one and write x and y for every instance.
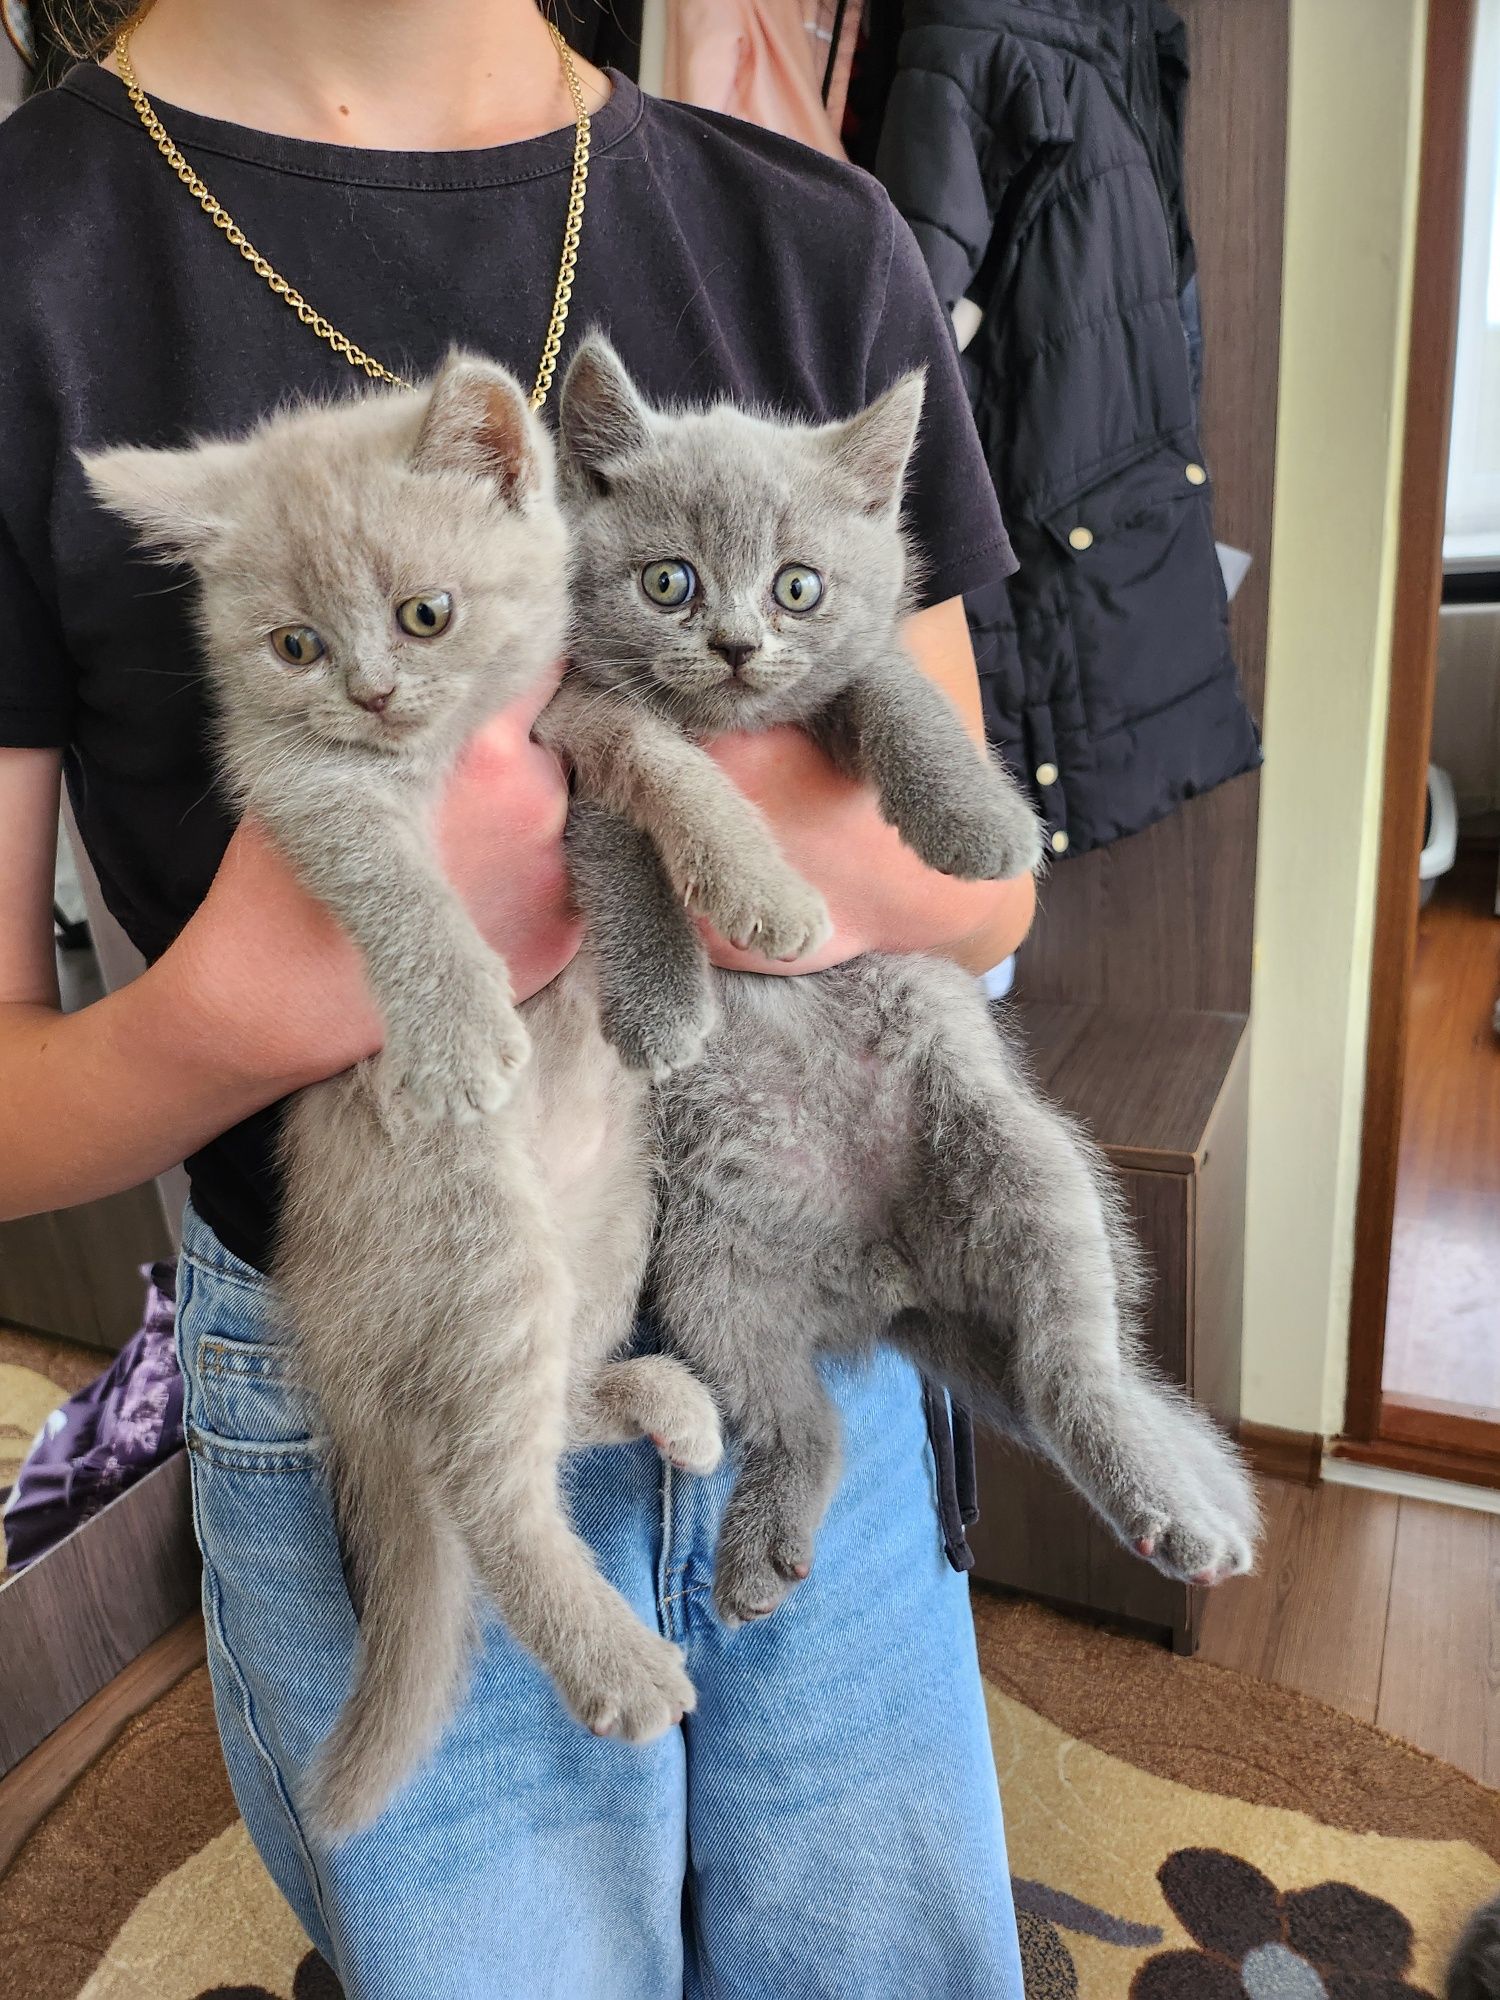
(826, 1826)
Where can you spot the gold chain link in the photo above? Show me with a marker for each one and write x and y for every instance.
(325, 329)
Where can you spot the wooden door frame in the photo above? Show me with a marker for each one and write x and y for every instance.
(1419, 586)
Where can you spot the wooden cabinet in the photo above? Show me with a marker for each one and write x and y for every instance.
(1165, 1096)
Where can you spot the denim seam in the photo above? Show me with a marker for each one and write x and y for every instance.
(664, 1571)
(213, 1615)
(689, 1590)
(216, 1357)
(221, 1275)
(253, 1731)
(708, 1978)
(293, 1457)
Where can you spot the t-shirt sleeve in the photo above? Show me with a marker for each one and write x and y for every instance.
(951, 511)
(36, 679)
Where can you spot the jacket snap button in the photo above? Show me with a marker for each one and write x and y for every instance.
(1059, 842)
(1046, 774)
(1196, 476)
(1080, 538)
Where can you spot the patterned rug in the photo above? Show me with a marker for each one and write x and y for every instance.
(1177, 1833)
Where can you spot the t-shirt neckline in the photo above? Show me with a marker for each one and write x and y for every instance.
(361, 166)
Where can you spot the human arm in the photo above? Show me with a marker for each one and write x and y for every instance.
(260, 994)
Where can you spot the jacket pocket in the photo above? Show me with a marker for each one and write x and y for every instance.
(1140, 587)
(1134, 492)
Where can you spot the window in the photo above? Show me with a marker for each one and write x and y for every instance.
(1472, 524)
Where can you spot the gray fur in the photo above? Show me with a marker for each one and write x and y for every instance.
(855, 1154)
(1475, 1971)
(454, 1278)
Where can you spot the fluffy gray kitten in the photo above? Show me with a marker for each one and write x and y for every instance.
(376, 578)
(1475, 1971)
(854, 1154)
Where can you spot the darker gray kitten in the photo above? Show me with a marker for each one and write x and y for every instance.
(375, 579)
(857, 1154)
(1475, 1971)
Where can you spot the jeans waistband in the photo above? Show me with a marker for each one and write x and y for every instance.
(203, 1248)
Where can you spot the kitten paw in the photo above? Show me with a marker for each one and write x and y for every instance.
(753, 1574)
(686, 1429)
(632, 1688)
(986, 840)
(455, 1073)
(1192, 1512)
(668, 1041)
(782, 918)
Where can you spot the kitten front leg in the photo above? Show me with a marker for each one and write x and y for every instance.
(717, 850)
(960, 811)
(454, 1042)
(655, 989)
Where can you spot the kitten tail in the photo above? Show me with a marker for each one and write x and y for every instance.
(416, 1644)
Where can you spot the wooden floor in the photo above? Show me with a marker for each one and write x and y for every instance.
(1442, 1338)
(1387, 1608)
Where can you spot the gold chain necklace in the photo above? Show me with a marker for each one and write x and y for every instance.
(325, 328)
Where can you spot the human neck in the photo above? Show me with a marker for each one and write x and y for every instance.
(402, 75)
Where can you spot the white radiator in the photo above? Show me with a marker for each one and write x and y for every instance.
(1466, 709)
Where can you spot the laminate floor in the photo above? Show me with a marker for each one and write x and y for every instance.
(1387, 1608)
(1442, 1339)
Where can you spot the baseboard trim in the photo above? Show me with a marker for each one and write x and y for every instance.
(1378, 1478)
(1428, 1461)
(1296, 1456)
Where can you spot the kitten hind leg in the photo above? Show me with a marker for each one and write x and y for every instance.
(654, 1396)
(1038, 1278)
(787, 1433)
(616, 1676)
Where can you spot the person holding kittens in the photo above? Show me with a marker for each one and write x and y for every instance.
(827, 1822)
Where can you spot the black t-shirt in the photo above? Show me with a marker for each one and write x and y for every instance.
(721, 259)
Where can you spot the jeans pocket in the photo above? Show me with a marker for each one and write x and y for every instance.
(248, 1408)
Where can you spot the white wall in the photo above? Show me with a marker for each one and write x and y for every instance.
(1351, 188)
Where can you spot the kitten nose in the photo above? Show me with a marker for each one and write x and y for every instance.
(375, 703)
(733, 651)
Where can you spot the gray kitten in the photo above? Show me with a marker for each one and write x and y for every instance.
(1475, 1971)
(857, 1153)
(375, 580)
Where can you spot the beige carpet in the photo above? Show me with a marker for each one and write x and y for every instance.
(1177, 1833)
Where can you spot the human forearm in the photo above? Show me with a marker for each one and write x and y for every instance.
(260, 994)
(881, 896)
(99, 1100)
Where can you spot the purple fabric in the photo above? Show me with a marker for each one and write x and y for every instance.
(106, 1437)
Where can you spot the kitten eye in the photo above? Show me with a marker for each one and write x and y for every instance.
(425, 617)
(797, 588)
(668, 583)
(297, 645)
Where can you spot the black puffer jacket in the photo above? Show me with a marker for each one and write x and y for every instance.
(1036, 151)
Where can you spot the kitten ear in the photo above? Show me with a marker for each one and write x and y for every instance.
(871, 450)
(176, 499)
(601, 418)
(477, 421)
